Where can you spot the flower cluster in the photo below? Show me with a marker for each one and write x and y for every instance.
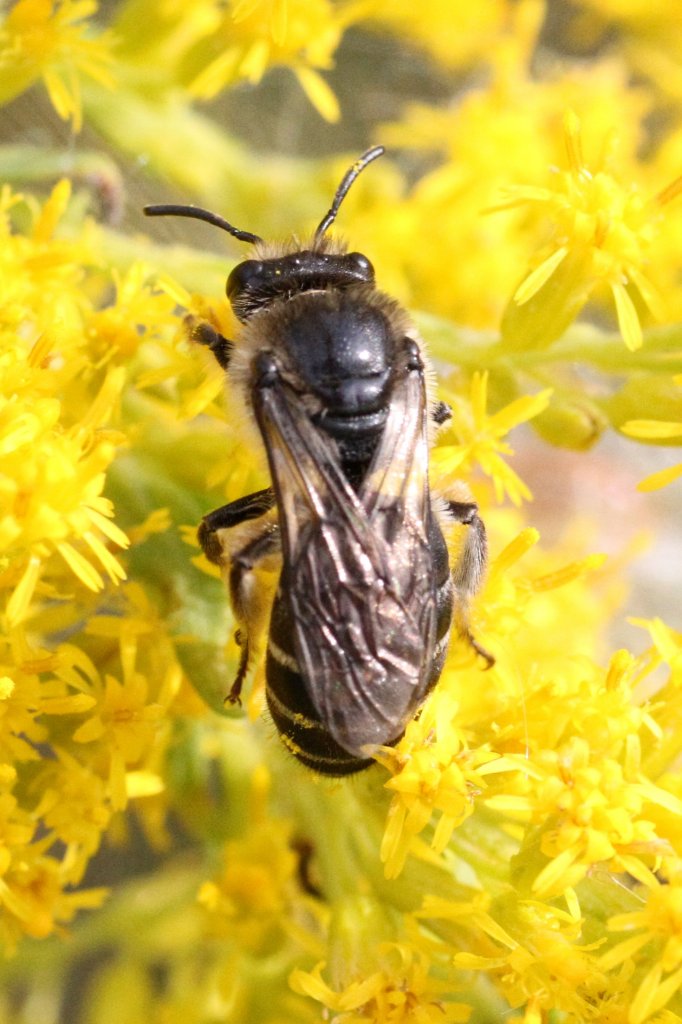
(81, 724)
(517, 854)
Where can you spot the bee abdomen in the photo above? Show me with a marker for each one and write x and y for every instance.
(292, 711)
(300, 729)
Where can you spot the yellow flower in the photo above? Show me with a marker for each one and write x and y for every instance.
(258, 34)
(249, 899)
(126, 721)
(656, 931)
(662, 756)
(432, 771)
(602, 233)
(52, 502)
(400, 992)
(667, 645)
(516, 113)
(114, 331)
(35, 684)
(480, 438)
(49, 39)
(32, 896)
(446, 763)
(210, 46)
(539, 960)
(75, 806)
(589, 811)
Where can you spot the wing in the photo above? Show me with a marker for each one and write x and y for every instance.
(357, 567)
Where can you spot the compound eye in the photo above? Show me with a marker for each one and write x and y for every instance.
(245, 277)
(361, 266)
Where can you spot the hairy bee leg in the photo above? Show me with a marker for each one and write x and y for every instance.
(241, 564)
(252, 506)
(244, 601)
(441, 413)
(468, 571)
(203, 333)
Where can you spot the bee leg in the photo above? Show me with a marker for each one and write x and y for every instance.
(224, 518)
(247, 606)
(468, 571)
(305, 852)
(441, 413)
(205, 334)
(239, 565)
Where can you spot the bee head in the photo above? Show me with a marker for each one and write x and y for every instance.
(255, 283)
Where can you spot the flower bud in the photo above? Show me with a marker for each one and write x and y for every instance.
(571, 421)
(543, 307)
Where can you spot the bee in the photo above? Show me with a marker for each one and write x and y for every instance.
(334, 374)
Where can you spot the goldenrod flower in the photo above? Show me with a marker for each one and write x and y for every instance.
(541, 962)
(259, 34)
(656, 928)
(52, 501)
(402, 990)
(50, 39)
(480, 438)
(248, 899)
(432, 770)
(601, 236)
(211, 46)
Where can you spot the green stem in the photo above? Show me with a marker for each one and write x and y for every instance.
(661, 351)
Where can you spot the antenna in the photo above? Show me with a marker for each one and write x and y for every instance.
(170, 209)
(346, 182)
(197, 213)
